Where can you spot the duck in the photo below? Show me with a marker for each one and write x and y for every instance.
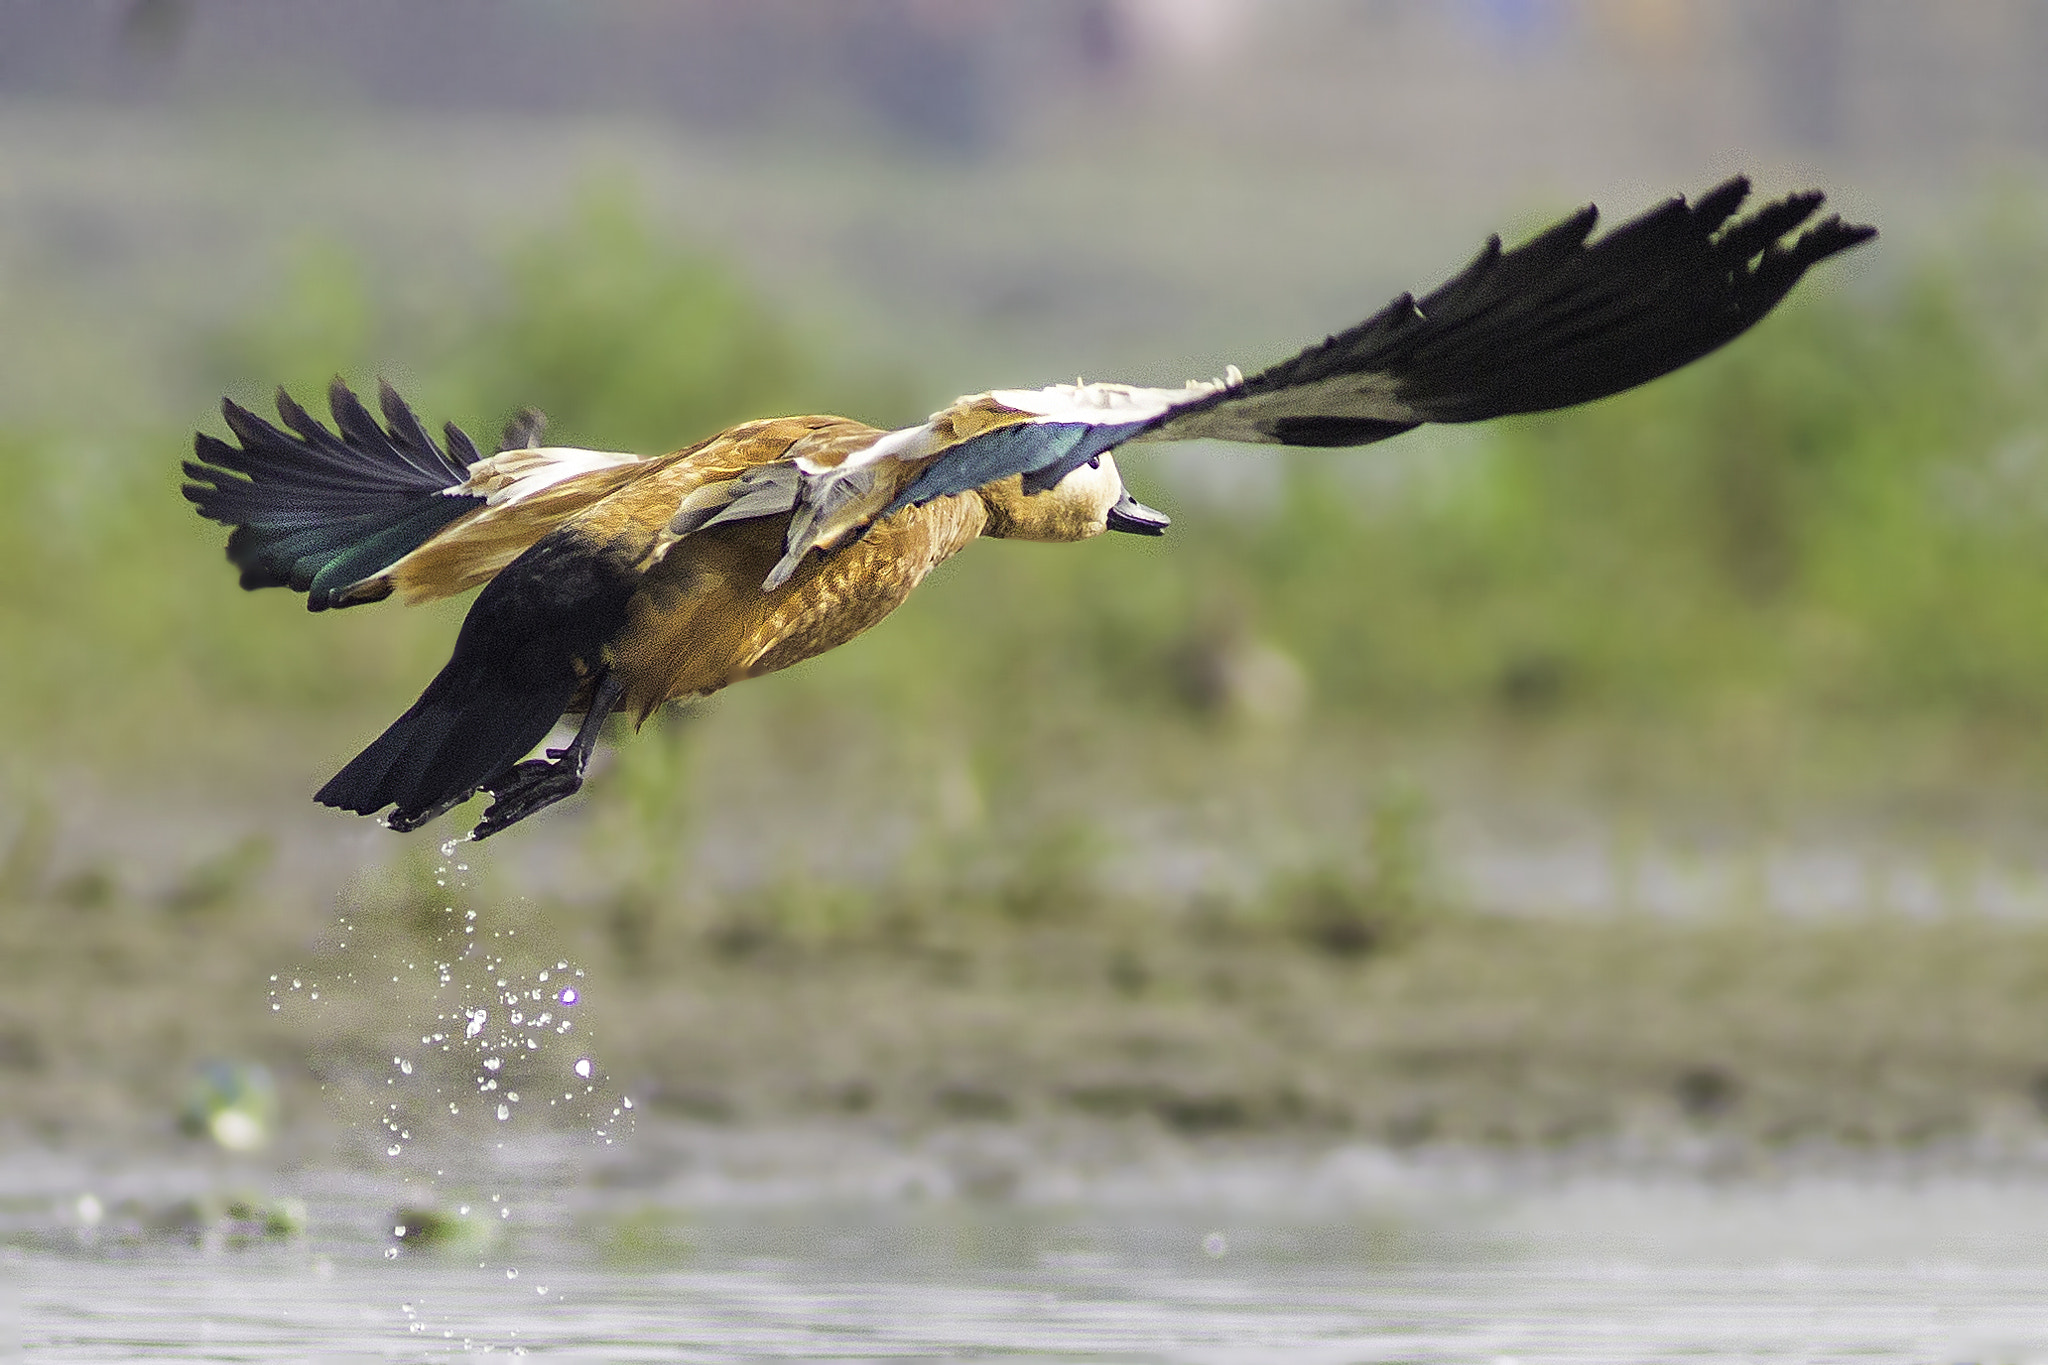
(613, 582)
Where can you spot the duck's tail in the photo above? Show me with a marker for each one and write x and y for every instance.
(475, 720)
(533, 641)
(317, 512)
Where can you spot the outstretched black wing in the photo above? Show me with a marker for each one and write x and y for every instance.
(1554, 322)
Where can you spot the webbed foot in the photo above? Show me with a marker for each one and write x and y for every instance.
(527, 787)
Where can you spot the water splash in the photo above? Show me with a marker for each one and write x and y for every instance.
(496, 1013)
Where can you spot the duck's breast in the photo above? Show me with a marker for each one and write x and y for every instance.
(702, 621)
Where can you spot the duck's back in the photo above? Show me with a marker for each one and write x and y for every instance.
(619, 495)
(698, 618)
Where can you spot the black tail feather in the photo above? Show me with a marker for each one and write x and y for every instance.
(468, 726)
(316, 511)
(534, 637)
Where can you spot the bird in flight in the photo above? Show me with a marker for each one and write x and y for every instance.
(620, 582)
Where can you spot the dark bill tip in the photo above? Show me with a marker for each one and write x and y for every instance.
(1135, 517)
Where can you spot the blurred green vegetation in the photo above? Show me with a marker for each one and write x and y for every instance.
(1832, 529)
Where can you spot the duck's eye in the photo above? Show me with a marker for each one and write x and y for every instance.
(1095, 463)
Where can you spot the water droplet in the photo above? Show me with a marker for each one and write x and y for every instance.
(392, 1150)
(510, 1273)
(493, 1063)
(626, 1101)
(583, 1067)
(390, 1253)
(405, 1068)
(504, 1112)
(568, 996)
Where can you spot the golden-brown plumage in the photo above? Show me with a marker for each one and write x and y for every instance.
(469, 553)
(700, 619)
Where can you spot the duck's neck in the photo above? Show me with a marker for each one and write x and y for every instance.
(1075, 508)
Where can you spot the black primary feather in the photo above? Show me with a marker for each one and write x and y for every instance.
(314, 510)
(534, 635)
(523, 430)
(1554, 322)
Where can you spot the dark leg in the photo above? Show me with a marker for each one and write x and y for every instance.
(537, 784)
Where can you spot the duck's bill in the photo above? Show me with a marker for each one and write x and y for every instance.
(1135, 517)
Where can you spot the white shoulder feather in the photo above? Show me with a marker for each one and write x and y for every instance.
(511, 475)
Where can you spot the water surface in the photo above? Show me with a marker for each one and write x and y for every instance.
(1345, 1257)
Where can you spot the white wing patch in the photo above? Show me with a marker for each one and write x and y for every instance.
(512, 475)
(1105, 404)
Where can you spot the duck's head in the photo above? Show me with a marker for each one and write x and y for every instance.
(1086, 503)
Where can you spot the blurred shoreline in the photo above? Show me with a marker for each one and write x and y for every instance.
(1341, 1008)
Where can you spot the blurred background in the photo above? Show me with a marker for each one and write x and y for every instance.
(1666, 771)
